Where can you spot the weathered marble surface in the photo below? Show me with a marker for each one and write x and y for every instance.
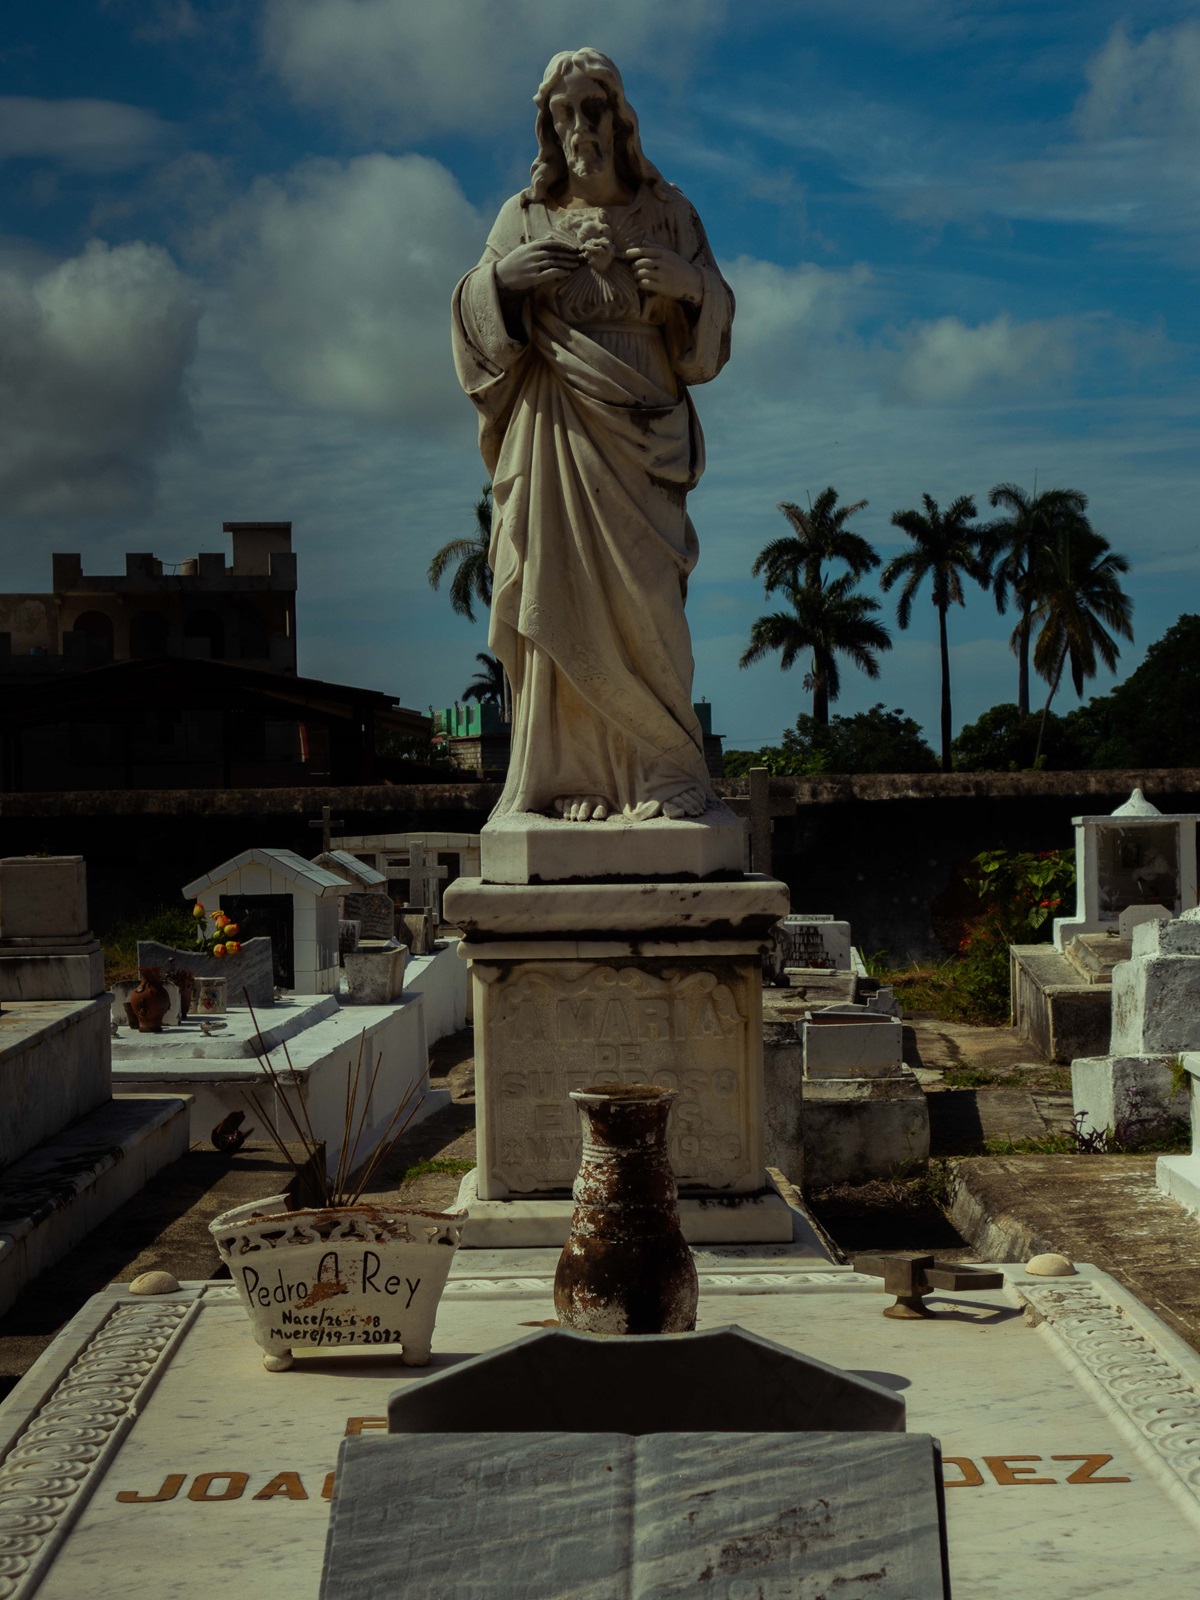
(744, 908)
(241, 1457)
(602, 1516)
(523, 848)
(545, 1027)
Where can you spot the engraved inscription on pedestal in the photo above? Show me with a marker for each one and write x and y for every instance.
(548, 1027)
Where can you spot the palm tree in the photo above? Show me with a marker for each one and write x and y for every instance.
(472, 576)
(819, 535)
(1017, 546)
(944, 550)
(830, 620)
(487, 686)
(1080, 599)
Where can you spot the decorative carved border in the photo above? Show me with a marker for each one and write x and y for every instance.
(1149, 1389)
(780, 1282)
(48, 1472)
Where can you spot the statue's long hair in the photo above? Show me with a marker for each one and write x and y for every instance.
(549, 169)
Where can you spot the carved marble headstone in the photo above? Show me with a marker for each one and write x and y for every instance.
(375, 912)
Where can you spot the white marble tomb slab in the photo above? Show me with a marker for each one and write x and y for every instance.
(149, 1454)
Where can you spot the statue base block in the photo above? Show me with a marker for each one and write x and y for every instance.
(524, 847)
(761, 1218)
(580, 984)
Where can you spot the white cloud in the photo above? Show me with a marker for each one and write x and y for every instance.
(946, 361)
(1146, 87)
(415, 68)
(93, 355)
(789, 321)
(86, 135)
(801, 331)
(342, 277)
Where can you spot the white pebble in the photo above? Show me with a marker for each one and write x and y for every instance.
(154, 1283)
(1050, 1266)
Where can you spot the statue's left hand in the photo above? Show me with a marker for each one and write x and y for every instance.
(660, 271)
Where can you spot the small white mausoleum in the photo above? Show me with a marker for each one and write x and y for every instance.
(1138, 856)
(294, 901)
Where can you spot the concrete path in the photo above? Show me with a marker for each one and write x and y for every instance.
(1102, 1209)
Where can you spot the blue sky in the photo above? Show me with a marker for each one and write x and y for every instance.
(964, 236)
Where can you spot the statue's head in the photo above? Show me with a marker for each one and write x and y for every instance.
(584, 122)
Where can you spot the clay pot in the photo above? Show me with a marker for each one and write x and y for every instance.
(150, 1001)
(626, 1267)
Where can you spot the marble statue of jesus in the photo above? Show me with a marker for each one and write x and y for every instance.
(596, 305)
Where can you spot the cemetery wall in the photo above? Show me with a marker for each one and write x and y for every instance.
(885, 853)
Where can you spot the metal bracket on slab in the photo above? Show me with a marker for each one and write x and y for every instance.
(911, 1277)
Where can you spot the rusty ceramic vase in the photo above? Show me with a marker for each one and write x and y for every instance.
(626, 1267)
(150, 1001)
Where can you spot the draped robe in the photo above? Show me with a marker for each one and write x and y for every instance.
(592, 443)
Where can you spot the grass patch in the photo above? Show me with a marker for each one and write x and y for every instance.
(951, 992)
(1051, 1144)
(171, 925)
(440, 1164)
(1176, 1139)
(909, 1189)
(969, 1077)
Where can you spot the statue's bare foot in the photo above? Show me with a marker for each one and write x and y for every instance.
(691, 803)
(582, 808)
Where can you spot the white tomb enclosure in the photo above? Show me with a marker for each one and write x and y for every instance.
(221, 1070)
(147, 1453)
(70, 1152)
(389, 854)
(1155, 1021)
(284, 890)
(1179, 1176)
(1138, 856)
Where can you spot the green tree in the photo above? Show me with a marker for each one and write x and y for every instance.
(1153, 718)
(827, 620)
(472, 580)
(797, 559)
(1080, 606)
(487, 686)
(1016, 545)
(944, 551)
(1005, 739)
(877, 740)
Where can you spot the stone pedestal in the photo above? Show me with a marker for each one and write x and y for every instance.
(1179, 1176)
(531, 849)
(1155, 1018)
(651, 982)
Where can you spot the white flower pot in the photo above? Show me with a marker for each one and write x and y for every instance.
(343, 1278)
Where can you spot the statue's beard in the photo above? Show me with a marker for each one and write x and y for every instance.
(590, 161)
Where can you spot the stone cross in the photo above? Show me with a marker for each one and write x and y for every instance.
(911, 1277)
(326, 825)
(423, 877)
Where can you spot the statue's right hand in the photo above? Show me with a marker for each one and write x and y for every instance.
(541, 261)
